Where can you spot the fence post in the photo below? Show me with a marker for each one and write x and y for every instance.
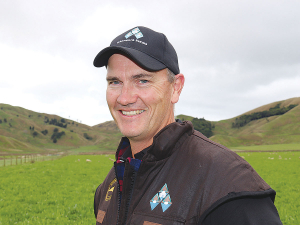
(4, 160)
(11, 160)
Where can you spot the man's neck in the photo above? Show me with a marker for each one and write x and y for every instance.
(137, 147)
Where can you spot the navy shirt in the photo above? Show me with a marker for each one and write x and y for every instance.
(245, 211)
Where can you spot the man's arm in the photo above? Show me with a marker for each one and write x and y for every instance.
(246, 211)
(96, 200)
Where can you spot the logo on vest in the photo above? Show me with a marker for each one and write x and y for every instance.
(110, 190)
(162, 197)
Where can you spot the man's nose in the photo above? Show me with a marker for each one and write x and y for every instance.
(127, 95)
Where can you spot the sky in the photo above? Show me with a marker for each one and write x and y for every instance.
(236, 55)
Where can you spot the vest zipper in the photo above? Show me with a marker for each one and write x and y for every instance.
(119, 197)
(130, 194)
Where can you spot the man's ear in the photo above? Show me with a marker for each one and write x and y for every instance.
(177, 87)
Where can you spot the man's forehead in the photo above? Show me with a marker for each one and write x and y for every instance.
(119, 64)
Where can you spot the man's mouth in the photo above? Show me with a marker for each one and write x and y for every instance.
(132, 113)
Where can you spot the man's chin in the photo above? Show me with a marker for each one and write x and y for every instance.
(130, 134)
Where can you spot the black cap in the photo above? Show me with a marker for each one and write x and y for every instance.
(149, 49)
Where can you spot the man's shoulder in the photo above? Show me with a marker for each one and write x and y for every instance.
(204, 148)
(218, 162)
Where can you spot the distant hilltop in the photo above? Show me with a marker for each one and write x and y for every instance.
(26, 131)
(274, 123)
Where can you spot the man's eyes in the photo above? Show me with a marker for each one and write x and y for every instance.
(117, 82)
(114, 82)
(144, 81)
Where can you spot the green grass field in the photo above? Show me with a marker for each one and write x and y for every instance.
(281, 170)
(62, 191)
(277, 147)
(52, 192)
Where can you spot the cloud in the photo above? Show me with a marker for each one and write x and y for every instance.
(235, 55)
(95, 28)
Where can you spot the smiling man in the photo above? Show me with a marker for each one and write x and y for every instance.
(141, 102)
(166, 172)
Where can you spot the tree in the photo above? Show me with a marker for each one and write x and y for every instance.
(44, 132)
(273, 111)
(34, 134)
(87, 136)
(46, 119)
(203, 126)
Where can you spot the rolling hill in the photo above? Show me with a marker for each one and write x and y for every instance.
(279, 129)
(24, 131)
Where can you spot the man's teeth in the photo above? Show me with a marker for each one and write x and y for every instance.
(132, 113)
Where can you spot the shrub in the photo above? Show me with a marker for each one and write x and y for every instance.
(203, 126)
(57, 135)
(244, 119)
(44, 132)
(87, 136)
(46, 119)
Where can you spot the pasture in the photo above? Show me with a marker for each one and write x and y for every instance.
(52, 192)
(281, 170)
(62, 191)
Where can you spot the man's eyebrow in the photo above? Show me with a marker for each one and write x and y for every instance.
(137, 76)
(112, 78)
(142, 75)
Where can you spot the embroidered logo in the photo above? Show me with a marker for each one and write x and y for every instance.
(136, 32)
(110, 190)
(162, 197)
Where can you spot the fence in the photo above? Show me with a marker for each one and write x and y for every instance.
(16, 159)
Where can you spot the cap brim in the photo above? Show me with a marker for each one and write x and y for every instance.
(143, 60)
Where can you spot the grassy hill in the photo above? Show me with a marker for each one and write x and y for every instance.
(281, 129)
(21, 132)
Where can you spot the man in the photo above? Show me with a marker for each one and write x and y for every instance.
(165, 171)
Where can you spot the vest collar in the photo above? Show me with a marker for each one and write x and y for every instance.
(163, 142)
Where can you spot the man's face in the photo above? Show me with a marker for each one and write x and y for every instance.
(140, 102)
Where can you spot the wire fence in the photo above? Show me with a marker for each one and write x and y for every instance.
(17, 159)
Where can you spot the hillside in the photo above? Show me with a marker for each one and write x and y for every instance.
(279, 129)
(23, 130)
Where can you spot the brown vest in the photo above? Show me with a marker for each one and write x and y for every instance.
(182, 177)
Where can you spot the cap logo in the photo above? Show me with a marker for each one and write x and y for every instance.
(136, 32)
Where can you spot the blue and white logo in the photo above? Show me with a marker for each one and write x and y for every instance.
(136, 32)
(162, 197)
